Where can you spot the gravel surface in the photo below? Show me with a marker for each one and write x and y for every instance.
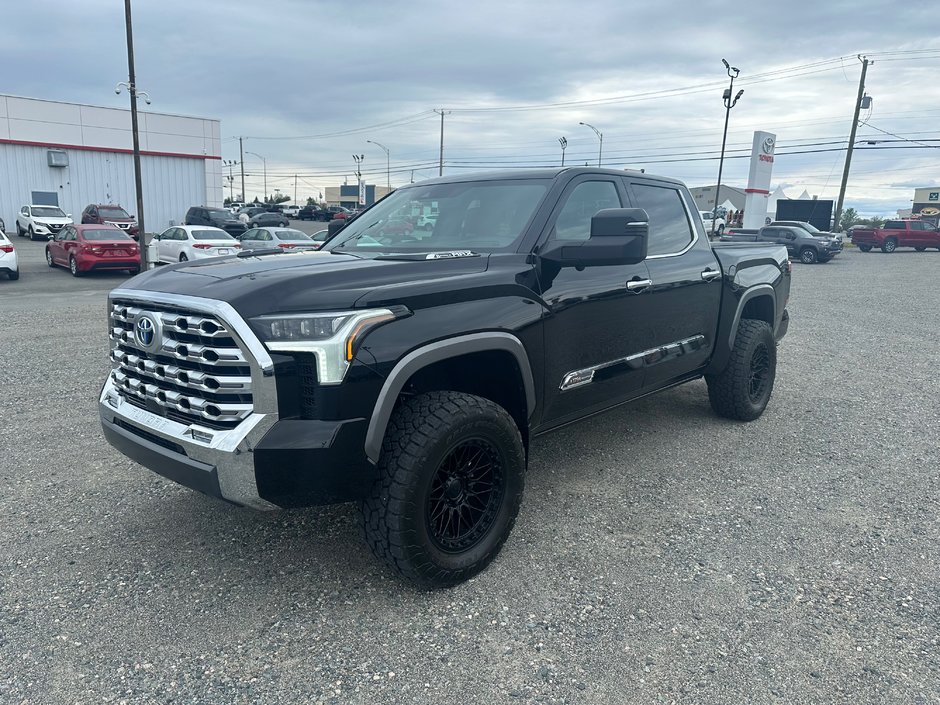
(662, 554)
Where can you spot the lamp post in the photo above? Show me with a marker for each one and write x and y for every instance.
(264, 163)
(564, 143)
(729, 103)
(388, 173)
(358, 159)
(600, 136)
(232, 163)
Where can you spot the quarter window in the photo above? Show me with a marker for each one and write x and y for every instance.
(669, 228)
(587, 198)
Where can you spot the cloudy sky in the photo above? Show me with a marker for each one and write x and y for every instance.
(308, 82)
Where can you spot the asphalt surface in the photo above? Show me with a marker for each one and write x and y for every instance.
(662, 555)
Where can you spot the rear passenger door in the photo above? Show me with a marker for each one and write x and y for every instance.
(683, 300)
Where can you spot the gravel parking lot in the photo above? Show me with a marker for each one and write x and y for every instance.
(662, 554)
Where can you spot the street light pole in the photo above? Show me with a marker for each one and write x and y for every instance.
(564, 143)
(600, 136)
(358, 159)
(729, 103)
(264, 163)
(388, 172)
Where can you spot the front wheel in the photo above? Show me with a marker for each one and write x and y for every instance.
(452, 472)
(183, 257)
(865, 248)
(889, 246)
(742, 390)
(32, 234)
(808, 256)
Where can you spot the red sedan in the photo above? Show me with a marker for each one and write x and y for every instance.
(86, 248)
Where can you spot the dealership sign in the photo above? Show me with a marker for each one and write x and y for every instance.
(758, 179)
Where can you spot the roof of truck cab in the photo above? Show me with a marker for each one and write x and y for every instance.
(540, 173)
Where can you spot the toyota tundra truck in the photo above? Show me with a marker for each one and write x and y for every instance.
(409, 370)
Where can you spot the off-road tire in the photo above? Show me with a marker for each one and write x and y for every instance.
(865, 248)
(731, 391)
(889, 246)
(398, 512)
(808, 256)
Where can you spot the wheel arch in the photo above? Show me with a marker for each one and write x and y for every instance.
(441, 356)
(758, 302)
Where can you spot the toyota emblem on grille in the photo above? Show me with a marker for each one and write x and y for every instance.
(145, 330)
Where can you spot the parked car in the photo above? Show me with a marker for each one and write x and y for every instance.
(216, 218)
(286, 238)
(808, 227)
(89, 248)
(291, 211)
(8, 261)
(411, 376)
(40, 222)
(314, 213)
(708, 220)
(235, 206)
(320, 237)
(3, 227)
(262, 220)
(188, 242)
(918, 234)
(799, 243)
(110, 214)
(249, 212)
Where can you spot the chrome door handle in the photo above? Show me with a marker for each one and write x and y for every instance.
(710, 274)
(639, 284)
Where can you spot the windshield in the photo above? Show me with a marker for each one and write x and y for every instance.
(48, 212)
(291, 235)
(810, 229)
(105, 234)
(477, 215)
(112, 212)
(211, 235)
(219, 214)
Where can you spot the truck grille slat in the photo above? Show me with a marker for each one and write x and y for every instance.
(191, 368)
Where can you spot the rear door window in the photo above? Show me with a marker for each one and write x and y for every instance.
(670, 231)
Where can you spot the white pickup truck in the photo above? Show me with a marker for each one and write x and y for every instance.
(707, 219)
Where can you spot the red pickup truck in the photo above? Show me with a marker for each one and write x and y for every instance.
(918, 234)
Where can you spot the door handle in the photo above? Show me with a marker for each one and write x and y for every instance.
(710, 274)
(639, 284)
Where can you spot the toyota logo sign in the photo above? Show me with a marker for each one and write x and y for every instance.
(145, 331)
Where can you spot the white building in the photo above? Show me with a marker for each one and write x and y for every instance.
(72, 155)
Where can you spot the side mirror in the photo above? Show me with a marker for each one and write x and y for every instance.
(68, 215)
(618, 236)
(51, 237)
(334, 227)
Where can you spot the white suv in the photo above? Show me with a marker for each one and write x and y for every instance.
(41, 222)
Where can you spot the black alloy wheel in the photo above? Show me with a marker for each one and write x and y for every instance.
(466, 493)
(760, 373)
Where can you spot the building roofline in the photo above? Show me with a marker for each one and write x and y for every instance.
(107, 107)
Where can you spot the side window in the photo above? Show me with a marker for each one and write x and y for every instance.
(70, 234)
(894, 225)
(264, 236)
(584, 201)
(25, 210)
(919, 225)
(250, 235)
(670, 230)
(182, 234)
(769, 234)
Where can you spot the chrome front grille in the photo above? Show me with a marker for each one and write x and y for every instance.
(189, 369)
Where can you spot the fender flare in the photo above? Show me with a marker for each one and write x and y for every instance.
(428, 355)
(752, 293)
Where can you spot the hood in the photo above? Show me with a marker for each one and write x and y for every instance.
(303, 280)
(55, 220)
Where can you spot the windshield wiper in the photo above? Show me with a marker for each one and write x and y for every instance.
(260, 253)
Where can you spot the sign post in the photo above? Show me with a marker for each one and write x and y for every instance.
(758, 180)
(362, 192)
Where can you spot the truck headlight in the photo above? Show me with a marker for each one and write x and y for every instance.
(331, 336)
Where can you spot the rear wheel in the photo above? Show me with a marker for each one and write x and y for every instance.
(889, 245)
(742, 390)
(808, 256)
(865, 248)
(19, 231)
(183, 257)
(452, 472)
(49, 259)
(73, 267)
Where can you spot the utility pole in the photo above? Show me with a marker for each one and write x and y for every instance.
(564, 143)
(132, 90)
(729, 103)
(241, 157)
(848, 154)
(440, 168)
(295, 189)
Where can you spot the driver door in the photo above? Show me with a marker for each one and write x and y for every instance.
(596, 318)
(57, 248)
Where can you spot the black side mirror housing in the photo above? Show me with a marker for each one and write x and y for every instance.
(618, 236)
(334, 227)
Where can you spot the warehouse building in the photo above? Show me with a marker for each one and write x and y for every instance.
(347, 195)
(70, 155)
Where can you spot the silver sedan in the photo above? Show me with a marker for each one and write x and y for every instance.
(285, 238)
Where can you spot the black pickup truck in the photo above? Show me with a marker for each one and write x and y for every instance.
(409, 369)
(810, 246)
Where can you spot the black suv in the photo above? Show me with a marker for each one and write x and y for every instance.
(410, 368)
(217, 218)
(314, 213)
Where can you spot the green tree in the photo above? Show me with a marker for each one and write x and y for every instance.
(227, 201)
(877, 221)
(849, 218)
